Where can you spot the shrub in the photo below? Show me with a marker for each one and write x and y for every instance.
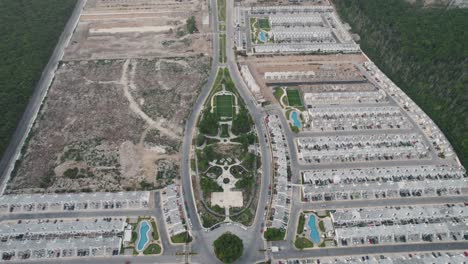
(274, 234)
(191, 25)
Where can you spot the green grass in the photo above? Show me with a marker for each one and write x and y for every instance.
(257, 25)
(155, 230)
(274, 234)
(294, 97)
(134, 235)
(181, 238)
(221, 4)
(252, 29)
(246, 218)
(300, 225)
(210, 220)
(218, 209)
(222, 48)
(322, 226)
(302, 242)
(278, 93)
(294, 129)
(29, 32)
(209, 185)
(223, 104)
(152, 249)
(264, 23)
(224, 131)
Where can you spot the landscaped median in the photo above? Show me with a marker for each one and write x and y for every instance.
(227, 162)
(222, 48)
(181, 238)
(141, 237)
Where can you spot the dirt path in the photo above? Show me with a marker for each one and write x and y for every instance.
(129, 83)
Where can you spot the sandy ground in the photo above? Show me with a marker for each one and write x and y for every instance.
(139, 28)
(98, 130)
(227, 199)
(342, 64)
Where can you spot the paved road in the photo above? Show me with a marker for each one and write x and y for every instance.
(250, 235)
(253, 242)
(376, 249)
(14, 148)
(199, 245)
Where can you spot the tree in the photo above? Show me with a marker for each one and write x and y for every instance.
(209, 153)
(228, 247)
(241, 122)
(191, 25)
(246, 140)
(274, 234)
(209, 123)
(30, 30)
(422, 50)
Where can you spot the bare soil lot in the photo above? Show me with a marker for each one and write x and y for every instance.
(110, 125)
(339, 65)
(139, 28)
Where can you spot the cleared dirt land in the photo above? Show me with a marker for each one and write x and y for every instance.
(114, 116)
(330, 67)
(139, 28)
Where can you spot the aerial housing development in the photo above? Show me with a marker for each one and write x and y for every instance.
(226, 131)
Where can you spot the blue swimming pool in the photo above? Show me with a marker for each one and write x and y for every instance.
(314, 234)
(295, 118)
(143, 235)
(262, 36)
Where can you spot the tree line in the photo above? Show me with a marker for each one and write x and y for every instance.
(423, 50)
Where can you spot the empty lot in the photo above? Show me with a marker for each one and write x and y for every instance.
(114, 115)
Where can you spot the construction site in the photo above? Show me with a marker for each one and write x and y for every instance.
(114, 116)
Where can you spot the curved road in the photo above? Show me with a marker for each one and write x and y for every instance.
(251, 235)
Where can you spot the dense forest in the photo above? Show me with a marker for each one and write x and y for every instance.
(29, 31)
(424, 51)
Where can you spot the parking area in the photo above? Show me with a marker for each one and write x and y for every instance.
(36, 203)
(409, 224)
(381, 183)
(282, 191)
(361, 148)
(60, 238)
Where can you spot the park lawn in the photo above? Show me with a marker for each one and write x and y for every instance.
(322, 226)
(302, 242)
(222, 48)
(152, 249)
(300, 225)
(264, 23)
(224, 131)
(244, 218)
(278, 93)
(181, 238)
(274, 234)
(294, 97)
(155, 229)
(221, 10)
(224, 105)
